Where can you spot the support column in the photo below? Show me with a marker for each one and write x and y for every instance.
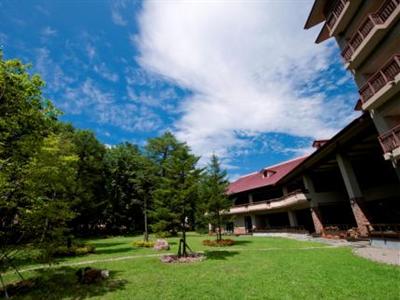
(317, 220)
(354, 192)
(315, 213)
(250, 197)
(253, 222)
(292, 218)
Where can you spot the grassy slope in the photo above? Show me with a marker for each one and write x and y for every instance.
(244, 273)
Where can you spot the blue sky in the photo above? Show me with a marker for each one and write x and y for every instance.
(237, 78)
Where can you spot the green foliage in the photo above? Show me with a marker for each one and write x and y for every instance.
(50, 185)
(177, 191)
(90, 191)
(124, 211)
(74, 250)
(143, 244)
(25, 119)
(214, 200)
(175, 196)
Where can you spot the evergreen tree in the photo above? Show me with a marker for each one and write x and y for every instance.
(124, 211)
(215, 200)
(90, 182)
(175, 197)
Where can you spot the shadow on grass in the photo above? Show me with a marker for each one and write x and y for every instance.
(239, 242)
(220, 255)
(105, 245)
(62, 283)
(113, 251)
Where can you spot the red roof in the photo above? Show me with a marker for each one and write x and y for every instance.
(258, 179)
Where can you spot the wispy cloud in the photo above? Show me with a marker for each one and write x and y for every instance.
(102, 107)
(104, 72)
(247, 64)
(116, 12)
(42, 10)
(51, 71)
(48, 31)
(90, 51)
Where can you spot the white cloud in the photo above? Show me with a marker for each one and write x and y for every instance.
(104, 72)
(246, 62)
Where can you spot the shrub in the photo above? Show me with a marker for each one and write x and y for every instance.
(220, 243)
(143, 244)
(74, 250)
(163, 234)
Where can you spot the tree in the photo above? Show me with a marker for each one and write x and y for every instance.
(25, 119)
(124, 211)
(160, 149)
(90, 182)
(215, 199)
(145, 183)
(50, 183)
(174, 198)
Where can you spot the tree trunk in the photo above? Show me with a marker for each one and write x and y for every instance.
(146, 232)
(219, 235)
(184, 253)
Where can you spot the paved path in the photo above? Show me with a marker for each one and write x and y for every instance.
(384, 255)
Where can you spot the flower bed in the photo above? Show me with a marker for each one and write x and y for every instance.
(192, 257)
(220, 243)
(143, 244)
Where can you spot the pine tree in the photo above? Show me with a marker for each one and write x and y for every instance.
(175, 197)
(215, 199)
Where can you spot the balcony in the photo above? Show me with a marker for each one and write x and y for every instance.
(379, 86)
(335, 14)
(374, 22)
(340, 15)
(289, 200)
(390, 143)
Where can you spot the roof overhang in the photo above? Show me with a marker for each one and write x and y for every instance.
(316, 15)
(342, 137)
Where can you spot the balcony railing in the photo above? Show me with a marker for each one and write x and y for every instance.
(377, 81)
(270, 200)
(335, 13)
(390, 140)
(384, 230)
(377, 18)
(282, 229)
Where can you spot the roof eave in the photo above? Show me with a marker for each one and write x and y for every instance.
(316, 15)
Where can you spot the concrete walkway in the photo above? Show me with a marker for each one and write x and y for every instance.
(384, 255)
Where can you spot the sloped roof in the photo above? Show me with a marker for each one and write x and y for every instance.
(257, 179)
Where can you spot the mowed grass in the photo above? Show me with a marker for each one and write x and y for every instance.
(254, 268)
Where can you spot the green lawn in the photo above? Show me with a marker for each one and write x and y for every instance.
(255, 268)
